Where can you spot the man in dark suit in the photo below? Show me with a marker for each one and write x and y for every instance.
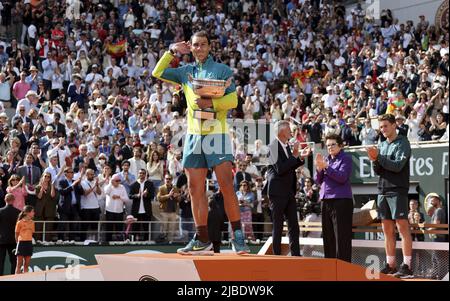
(24, 137)
(127, 149)
(60, 130)
(8, 219)
(142, 192)
(69, 203)
(241, 175)
(281, 186)
(32, 175)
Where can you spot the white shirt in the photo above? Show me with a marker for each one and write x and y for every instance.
(62, 154)
(284, 147)
(175, 168)
(136, 165)
(89, 201)
(329, 100)
(141, 202)
(5, 91)
(32, 31)
(23, 102)
(53, 172)
(116, 205)
(259, 200)
(93, 77)
(252, 170)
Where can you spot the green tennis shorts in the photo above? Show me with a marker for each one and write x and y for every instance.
(393, 205)
(206, 151)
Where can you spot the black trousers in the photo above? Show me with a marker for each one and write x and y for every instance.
(337, 228)
(141, 229)
(114, 227)
(258, 228)
(12, 258)
(285, 209)
(89, 215)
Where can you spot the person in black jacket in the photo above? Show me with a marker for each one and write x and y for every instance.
(69, 203)
(241, 175)
(142, 192)
(8, 219)
(281, 186)
(216, 220)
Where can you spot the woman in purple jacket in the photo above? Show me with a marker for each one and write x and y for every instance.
(333, 174)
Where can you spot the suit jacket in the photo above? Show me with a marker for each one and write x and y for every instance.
(281, 177)
(27, 119)
(65, 199)
(163, 197)
(134, 195)
(127, 152)
(24, 141)
(8, 220)
(22, 171)
(239, 177)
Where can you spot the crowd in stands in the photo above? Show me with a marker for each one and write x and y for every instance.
(89, 117)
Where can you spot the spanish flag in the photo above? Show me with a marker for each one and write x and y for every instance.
(301, 76)
(118, 49)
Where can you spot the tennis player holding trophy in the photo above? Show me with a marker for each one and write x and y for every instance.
(210, 92)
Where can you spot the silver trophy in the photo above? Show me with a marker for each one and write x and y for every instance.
(208, 88)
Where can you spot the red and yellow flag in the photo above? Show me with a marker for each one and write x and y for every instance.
(301, 76)
(118, 49)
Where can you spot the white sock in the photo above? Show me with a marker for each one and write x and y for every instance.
(407, 260)
(391, 261)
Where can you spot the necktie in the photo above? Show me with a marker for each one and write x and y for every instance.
(30, 176)
(288, 149)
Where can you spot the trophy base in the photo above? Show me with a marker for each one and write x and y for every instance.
(204, 115)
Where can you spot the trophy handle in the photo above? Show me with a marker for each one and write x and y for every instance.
(228, 82)
(190, 78)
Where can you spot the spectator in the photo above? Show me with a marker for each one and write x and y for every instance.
(216, 220)
(415, 217)
(116, 199)
(168, 197)
(413, 126)
(246, 198)
(402, 128)
(70, 192)
(155, 168)
(89, 203)
(241, 175)
(368, 136)
(127, 178)
(142, 192)
(46, 203)
(438, 126)
(186, 217)
(16, 187)
(260, 205)
(437, 214)
(31, 174)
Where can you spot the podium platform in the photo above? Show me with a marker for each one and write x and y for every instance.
(225, 267)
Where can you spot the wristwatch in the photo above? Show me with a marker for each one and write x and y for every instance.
(171, 51)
